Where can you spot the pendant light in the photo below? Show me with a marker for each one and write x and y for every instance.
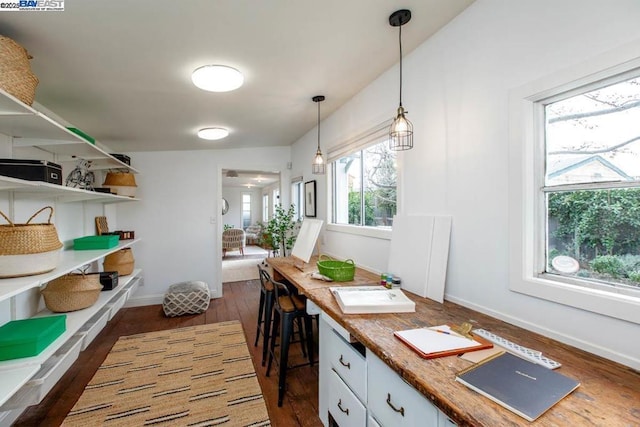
(401, 130)
(318, 166)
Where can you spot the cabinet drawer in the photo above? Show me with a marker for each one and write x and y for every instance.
(92, 328)
(393, 401)
(344, 406)
(117, 304)
(50, 372)
(349, 364)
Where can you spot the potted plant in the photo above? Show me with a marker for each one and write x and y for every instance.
(280, 231)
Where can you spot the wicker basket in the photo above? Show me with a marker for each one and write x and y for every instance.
(27, 249)
(16, 76)
(121, 261)
(72, 292)
(338, 271)
(124, 179)
(122, 183)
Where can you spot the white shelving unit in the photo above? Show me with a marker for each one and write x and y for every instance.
(32, 128)
(17, 372)
(26, 380)
(44, 190)
(69, 261)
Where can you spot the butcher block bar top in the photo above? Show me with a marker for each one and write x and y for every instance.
(609, 394)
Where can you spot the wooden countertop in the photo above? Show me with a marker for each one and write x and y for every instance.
(609, 394)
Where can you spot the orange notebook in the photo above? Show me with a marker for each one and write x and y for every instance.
(440, 341)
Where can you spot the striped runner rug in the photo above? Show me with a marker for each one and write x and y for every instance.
(194, 376)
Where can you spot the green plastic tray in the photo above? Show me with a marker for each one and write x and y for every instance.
(82, 134)
(96, 242)
(29, 337)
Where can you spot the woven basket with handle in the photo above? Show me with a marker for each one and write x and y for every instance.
(338, 271)
(20, 239)
(16, 76)
(72, 292)
(121, 261)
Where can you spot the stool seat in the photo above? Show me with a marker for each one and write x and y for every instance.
(293, 303)
(182, 298)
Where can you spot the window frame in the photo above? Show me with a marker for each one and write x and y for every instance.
(297, 197)
(527, 207)
(242, 210)
(360, 142)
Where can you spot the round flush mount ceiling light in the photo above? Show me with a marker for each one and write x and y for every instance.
(217, 78)
(213, 133)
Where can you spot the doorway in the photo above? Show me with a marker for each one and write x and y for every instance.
(250, 196)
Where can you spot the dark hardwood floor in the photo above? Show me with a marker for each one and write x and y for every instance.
(240, 302)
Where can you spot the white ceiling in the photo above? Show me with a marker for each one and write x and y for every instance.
(250, 179)
(121, 70)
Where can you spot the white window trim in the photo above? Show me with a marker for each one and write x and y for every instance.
(361, 230)
(358, 143)
(525, 217)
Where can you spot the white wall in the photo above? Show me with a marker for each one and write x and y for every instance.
(456, 89)
(179, 217)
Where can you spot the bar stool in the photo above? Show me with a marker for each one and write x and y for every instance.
(265, 310)
(287, 309)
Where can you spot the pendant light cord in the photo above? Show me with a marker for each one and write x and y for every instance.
(318, 126)
(400, 43)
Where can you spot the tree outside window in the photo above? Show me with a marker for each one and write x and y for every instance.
(365, 187)
(592, 175)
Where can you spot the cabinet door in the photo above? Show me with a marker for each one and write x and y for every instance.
(393, 401)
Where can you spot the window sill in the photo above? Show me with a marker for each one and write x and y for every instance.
(375, 232)
(607, 302)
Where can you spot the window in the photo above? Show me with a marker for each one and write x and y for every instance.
(265, 207)
(590, 195)
(246, 210)
(574, 187)
(364, 187)
(297, 199)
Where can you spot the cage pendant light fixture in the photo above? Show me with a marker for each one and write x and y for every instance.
(401, 130)
(318, 167)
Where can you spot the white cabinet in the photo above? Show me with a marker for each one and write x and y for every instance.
(31, 131)
(352, 378)
(392, 401)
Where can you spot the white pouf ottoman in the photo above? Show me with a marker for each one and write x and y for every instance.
(186, 298)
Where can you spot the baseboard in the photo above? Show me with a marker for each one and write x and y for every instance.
(157, 299)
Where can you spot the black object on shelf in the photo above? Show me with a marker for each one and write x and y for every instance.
(32, 170)
(108, 280)
(123, 158)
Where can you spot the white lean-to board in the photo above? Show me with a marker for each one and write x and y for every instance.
(306, 240)
(419, 253)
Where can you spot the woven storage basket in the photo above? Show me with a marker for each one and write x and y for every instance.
(122, 183)
(121, 261)
(338, 271)
(27, 249)
(125, 179)
(16, 76)
(72, 292)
